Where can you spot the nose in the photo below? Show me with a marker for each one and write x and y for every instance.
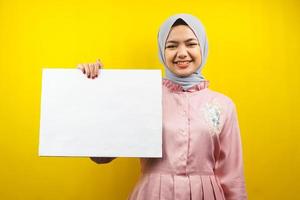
(182, 52)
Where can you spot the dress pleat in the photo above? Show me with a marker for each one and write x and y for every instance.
(208, 192)
(166, 187)
(181, 188)
(217, 189)
(196, 188)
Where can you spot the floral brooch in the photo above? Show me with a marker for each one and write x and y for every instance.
(212, 114)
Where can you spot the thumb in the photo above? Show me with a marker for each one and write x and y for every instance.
(99, 63)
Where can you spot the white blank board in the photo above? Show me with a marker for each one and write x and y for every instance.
(118, 114)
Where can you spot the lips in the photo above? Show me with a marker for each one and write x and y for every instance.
(182, 64)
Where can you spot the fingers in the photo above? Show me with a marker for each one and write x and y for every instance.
(87, 69)
(96, 72)
(91, 69)
(81, 67)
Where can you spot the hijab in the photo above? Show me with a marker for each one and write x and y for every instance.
(196, 26)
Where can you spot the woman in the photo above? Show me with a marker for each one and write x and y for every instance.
(202, 151)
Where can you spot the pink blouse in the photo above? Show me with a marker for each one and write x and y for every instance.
(202, 151)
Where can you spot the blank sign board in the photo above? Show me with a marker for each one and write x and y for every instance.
(118, 114)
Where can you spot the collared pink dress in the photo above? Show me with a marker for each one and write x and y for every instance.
(202, 151)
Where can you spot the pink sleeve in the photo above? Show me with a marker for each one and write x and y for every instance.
(229, 164)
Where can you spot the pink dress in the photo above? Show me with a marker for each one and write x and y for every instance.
(202, 151)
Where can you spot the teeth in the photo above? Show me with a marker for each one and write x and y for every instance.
(180, 62)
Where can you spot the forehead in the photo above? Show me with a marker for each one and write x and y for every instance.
(181, 33)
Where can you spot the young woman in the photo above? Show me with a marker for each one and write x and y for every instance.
(202, 151)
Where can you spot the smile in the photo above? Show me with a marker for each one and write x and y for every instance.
(182, 64)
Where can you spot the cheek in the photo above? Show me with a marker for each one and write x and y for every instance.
(169, 56)
(196, 56)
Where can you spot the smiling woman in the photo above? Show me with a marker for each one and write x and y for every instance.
(182, 51)
(201, 152)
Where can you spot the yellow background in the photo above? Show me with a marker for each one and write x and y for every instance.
(253, 58)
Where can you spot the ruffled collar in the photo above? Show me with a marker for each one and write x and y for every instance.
(174, 87)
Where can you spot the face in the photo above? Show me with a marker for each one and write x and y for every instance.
(182, 51)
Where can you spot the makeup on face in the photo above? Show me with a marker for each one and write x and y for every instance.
(182, 51)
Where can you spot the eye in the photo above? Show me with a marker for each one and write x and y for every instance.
(171, 46)
(192, 44)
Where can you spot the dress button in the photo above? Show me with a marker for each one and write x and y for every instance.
(181, 131)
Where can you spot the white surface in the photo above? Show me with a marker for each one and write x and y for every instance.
(118, 114)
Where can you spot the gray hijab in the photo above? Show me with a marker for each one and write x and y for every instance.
(199, 31)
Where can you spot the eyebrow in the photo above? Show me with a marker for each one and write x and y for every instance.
(188, 40)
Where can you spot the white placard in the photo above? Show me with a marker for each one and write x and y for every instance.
(118, 114)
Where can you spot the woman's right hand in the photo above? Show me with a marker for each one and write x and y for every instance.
(91, 69)
(102, 160)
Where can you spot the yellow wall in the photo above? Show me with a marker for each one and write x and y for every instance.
(253, 58)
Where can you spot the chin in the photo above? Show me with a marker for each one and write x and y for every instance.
(183, 73)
